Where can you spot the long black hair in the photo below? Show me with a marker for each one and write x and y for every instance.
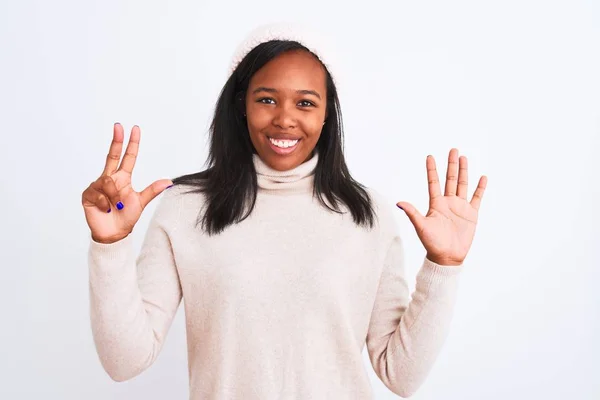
(230, 183)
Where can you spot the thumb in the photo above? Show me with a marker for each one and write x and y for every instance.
(154, 190)
(411, 212)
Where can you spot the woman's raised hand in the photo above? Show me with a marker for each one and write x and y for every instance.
(448, 228)
(111, 206)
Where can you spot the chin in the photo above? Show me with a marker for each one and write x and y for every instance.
(285, 162)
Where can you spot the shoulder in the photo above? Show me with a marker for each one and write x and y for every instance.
(384, 208)
(170, 196)
(171, 203)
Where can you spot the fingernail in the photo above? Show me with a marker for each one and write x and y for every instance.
(400, 207)
(109, 210)
(169, 186)
(120, 206)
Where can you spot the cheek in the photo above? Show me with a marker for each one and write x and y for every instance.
(258, 118)
(313, 125)
(257, 121)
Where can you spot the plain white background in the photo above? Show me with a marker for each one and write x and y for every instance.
(515, 85)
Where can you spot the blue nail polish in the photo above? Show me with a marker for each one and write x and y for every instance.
(109, 210)
(169, 186)
(120, 206)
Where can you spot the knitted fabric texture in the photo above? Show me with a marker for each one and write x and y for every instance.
(317, 42)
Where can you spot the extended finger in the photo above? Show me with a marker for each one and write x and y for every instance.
(131, 152)
(478, 195)
(415, 217)
(451, 173)
(94, 198)
(433, 181)
(463, 177)
(114, 153)
(153, 190)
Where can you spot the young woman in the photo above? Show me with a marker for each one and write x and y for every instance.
(287, 266)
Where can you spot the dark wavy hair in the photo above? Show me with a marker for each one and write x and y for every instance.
(230, 182)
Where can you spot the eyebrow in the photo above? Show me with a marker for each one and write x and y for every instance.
(272, 90)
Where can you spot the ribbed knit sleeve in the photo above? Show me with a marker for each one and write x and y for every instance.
(133, 299)
(406, 333)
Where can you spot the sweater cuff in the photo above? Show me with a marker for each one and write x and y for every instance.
(433, 275)
(106, 258)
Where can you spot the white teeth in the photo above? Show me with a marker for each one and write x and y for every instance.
(284, 143)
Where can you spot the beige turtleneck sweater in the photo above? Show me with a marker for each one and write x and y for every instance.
(279, 306)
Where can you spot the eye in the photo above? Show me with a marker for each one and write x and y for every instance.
(306, 103)
(265, 100)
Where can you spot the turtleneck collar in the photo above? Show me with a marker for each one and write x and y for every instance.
(298, 179)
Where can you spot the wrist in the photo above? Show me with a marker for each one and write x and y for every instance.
(443, 261)
(110, 240)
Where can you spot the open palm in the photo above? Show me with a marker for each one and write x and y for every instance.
(448, 228)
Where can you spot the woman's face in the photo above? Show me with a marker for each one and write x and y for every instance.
(286, 102)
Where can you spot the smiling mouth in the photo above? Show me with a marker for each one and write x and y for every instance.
(283, 147)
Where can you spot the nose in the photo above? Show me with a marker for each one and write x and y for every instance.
(284, 117)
